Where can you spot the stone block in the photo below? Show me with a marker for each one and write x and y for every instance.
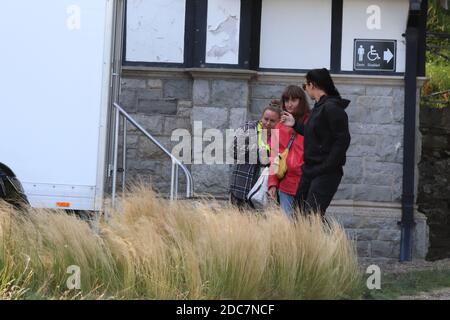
(257, 106)
(389, 235)
(362, 145)
(351, 233)
(174, 123)
(152, 173)
(353, 171)
(354, 113)
(211, 179)
(238, 116)
(353, 99)
(130, 83)
(349, 89)
(368, 222)
(128, 100)
(154, 84)
(358, 150)
(376, 115)
(384, 168)
(267, 91)
(156, 107)
(344, 192)
(348, 221)
(389, 149)
(395, 254)
(375, 101)
(368, 140)
(131, 154)
(366, 234)
(379, 91)
(253, 116)
(184, 112)
(149, 150)
(229, 94)
(201, 92)
(185, 104)
(372, 193)
(178, 89)
(149, 94)
(398, 113)
(132, 140)
(421, 237)
(399, 105)
(393, 130)
(145, 165)
(378, 179)
(382, 248)
(211, 117)
(153, 124)
(363, 248)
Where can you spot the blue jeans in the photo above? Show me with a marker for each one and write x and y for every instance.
(287, 203)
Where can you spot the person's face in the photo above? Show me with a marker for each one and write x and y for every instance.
(270, 119)
(291, 105)
(308, 88)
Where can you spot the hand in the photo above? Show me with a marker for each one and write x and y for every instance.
(287, 119)
(272, 193)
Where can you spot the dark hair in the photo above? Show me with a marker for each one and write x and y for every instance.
(321, 79)
(274, 108)
(295, 92)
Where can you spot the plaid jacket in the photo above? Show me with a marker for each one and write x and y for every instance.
(244, 176)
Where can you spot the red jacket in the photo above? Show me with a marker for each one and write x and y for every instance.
(290, 181)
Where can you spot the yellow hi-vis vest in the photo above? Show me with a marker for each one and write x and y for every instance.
(261, 143)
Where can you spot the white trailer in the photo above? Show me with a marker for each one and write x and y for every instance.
(55, 91)
(59, 133)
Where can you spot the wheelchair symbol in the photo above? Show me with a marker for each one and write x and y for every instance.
(372, 55)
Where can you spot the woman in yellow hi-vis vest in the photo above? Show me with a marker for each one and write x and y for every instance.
(253, 138)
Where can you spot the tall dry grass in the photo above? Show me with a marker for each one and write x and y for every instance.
(154, 249)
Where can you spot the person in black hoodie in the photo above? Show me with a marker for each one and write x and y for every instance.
(326, 140)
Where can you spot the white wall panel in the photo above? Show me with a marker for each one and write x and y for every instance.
(222, 40)
(155, 30)
(51, 89)
(295, 34)
(392, 24)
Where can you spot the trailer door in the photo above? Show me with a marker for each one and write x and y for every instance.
(54, 88)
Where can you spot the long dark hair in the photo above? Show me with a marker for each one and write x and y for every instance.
(321, 79)
(295, 92)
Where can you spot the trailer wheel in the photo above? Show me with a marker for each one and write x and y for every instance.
(11, 189)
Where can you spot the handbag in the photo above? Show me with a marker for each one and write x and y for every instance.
(258, 194)
(279, 165)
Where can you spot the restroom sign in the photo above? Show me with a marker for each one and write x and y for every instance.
(374, 55)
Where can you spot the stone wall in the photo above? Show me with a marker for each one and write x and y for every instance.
(434, 185)
(375, 228)
(219, 104)
(375, 158)
(159, 105)
(368, 199)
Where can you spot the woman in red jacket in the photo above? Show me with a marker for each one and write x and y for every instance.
(293, 101)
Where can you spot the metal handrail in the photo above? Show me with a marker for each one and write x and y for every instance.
(119, 111)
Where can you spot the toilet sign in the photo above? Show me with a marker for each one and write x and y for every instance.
(374, 55)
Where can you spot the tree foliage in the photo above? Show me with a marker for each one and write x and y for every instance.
(436, 91)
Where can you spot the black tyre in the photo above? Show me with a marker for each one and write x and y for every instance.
(11, 189)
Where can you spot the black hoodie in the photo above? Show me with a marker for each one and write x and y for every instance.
(326, 136)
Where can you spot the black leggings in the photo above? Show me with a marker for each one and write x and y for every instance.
(314, 195)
